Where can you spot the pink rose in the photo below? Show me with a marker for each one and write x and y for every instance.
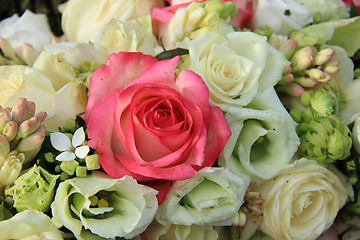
(147, 123)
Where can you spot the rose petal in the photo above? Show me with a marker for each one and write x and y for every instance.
(121, 68)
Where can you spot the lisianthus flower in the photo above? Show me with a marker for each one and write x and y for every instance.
(213, 196)
(263, 139)
(33, 190)
(70, 150)
(282, 16)
(302, 201)
(30, 224)
(100, 206)
(150, 124)
(180, 232)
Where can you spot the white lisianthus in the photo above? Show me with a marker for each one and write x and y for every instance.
(129, 36)
(82, 19)
(283, 16)
(213, 196)
(326, 10)
(30, 225)
(25, 82)
(99, 206)
(263, 139)
(157, 231)
(301, 202)
(236, 66)
(30, 28)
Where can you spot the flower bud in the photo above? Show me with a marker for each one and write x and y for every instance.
(302, 59)
(323, 56)
(10, 167)
(306, 82)
(9, 52)
(10, 130)
(32, 142)
(4, 146)
(323, 102)
(18, 112)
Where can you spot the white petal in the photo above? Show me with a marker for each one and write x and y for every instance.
(78, 138)
(81, 152)
(65, 156)
(60, 141)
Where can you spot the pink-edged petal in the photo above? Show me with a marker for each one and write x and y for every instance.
(60, 141)
(121, 68)
(218, 135)
(178, 172)
(162, 72)
(165, 14)
(65, 156)
(82, 152)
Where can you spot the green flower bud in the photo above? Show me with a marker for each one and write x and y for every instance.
(92, 162)
(33, 190)
(323, 102)
(69, 166)
(305, 99)
(10, 168)
(325, 139)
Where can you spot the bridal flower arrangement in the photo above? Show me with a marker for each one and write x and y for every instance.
(178, 119)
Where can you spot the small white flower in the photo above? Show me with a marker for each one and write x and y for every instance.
(72, 149)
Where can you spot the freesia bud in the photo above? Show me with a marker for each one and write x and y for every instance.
(306, 82)
(4, 146)
(33, 141)
(331, 69)
(302, 59)
(18, 112)
(10, 130)
(30, 109)
(8, 51)
(323, 56)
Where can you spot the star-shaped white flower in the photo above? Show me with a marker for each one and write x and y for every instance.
(72, 149)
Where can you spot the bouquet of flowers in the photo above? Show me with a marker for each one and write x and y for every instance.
(178, 119)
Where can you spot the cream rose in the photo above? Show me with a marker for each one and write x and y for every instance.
(126, 36)
(30, 28)
(236, 66)
(82, 19)
(25, 82)
(301, 202)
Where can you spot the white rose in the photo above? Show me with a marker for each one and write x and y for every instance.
(82, 19)
(236, 66)
(29, 225)
(263, 137)
(25, 82)
(283, 16)
(129, 36)
(301, 202)
(29, 28)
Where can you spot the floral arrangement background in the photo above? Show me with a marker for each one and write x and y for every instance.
(179, 120)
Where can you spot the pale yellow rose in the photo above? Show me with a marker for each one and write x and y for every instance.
(302, 201)
(126, 36)
(82, 19)
(25, 82)
(30, 225)
(236, 66)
